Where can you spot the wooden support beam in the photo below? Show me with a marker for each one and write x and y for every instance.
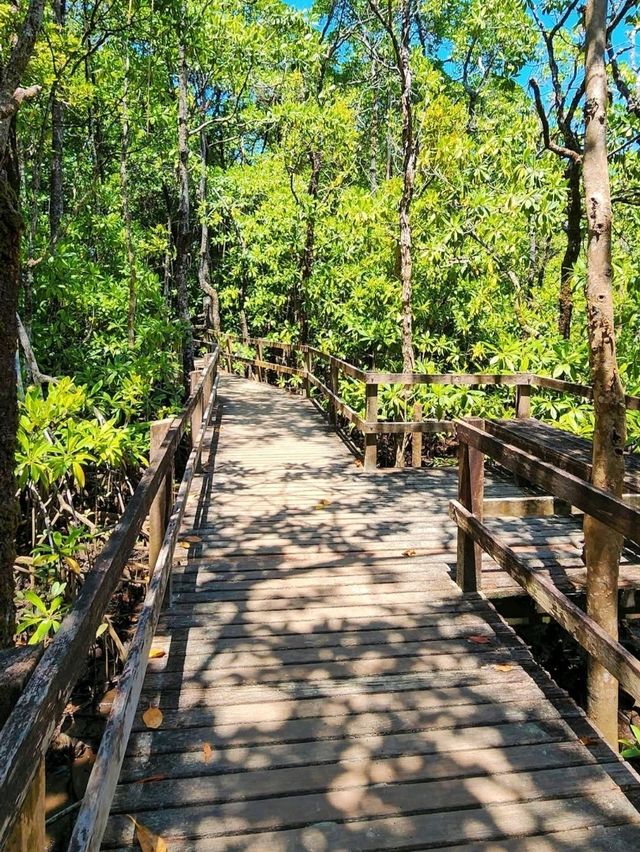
(471, 496)
(523, 401)
(308, 370)
(371, 438)
(161, 506)
(416, 438)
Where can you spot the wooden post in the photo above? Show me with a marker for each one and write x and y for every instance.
(28, 832)
(308, 370)
(161, 506)
(371, 416)
(228, 348)
(198, 411)
(416, 438)
(471, 495)
(260, 370)
(333, 387)
(523, 401)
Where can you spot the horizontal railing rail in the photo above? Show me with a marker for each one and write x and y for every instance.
(476, 442)
(32, 724)
(371, 426)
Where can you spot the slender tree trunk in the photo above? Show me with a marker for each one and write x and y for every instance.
(183, 231)
(374, 137)
(10, 232)
(211, 302)
(11, 226)
(124, 188)
(409, 160)
(56, 189)
(573, 173)
(308, 252)
(602, 545)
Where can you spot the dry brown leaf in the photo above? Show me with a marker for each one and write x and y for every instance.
(409, 552)
(588, 740)
(357, 462)
(322, 504)
(152, 717)
(191, 539)
(207, 751)
(156, 653)
(147, 840)
(503, 667)
(150, 779)
(479, 640)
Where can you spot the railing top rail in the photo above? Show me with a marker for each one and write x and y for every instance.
(29, 729)
(596, 502)
(465, 379)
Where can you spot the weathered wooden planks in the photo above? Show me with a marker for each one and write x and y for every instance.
(323, 683)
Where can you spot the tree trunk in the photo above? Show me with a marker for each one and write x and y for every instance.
(573, 246)
(374, 136)
(10, 233)
(602, 545)
(308, 252)
(409, 160)
(211, 302)
(183, 233)
(124, 187)
(56, 189)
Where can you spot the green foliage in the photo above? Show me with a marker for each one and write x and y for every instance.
(43, 615)
(632, 747)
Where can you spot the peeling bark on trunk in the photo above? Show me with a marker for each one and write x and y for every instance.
(183, 233)
(602, 545)
(573, 174)
(211, 303)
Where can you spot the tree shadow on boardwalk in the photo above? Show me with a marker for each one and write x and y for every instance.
(325, 686)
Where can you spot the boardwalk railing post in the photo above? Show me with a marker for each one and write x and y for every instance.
(371, 416)
(471, 495)
(523, 401)
(333, 387)
(28, 832)
(228, 348)
(307, 371)
(416, 438)
(161, 506)
(260, 370)
(196, 416)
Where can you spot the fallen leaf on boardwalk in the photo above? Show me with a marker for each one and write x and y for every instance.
(588, 740)
(409, 552)
(479, 640)
(156, 653)
(147, 840)
(207, 751)
(322, 504)
(191, 539)
(503, 667)
(358, 463)
(152, 717)
(150, 779)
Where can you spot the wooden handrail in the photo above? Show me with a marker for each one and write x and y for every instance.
(371, 426)
(587, 632)
(94, 811)
(596, 502)
(30, 728)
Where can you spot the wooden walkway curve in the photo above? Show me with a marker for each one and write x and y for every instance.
(325, 685)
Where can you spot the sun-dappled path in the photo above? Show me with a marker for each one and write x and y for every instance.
(323, 683)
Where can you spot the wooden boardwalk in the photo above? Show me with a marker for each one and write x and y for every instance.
(324, 684)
